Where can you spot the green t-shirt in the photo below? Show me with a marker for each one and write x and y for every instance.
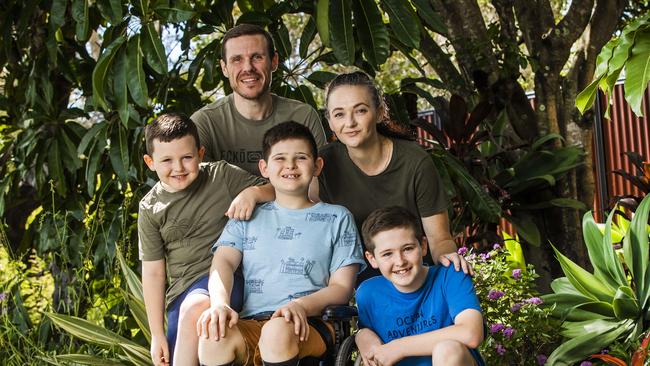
(227, 135)
(181, 227)
(410, 180)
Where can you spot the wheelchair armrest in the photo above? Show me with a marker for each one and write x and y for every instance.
(339, 312)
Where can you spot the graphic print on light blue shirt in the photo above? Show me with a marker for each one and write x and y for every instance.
(392, 314)
(288, 254)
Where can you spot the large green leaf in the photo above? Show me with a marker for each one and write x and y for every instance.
(79, 359)
(153, 49)
(180, 12)
(120, 89)
(583, 281)
(111, 10)
(635, 250)
(119, 152)
(625, 304)
(601, 252)
(430, 16)
(95, 154)
(101, 71)
(139, 312)
(579, 348)
(322, 21)
(321, 78)
(372, 33)
(525, 227)
(403, 21)
(282, 41)
(637, 72)
(69, 152)
(132, 280)
(138, 355)
(87, 331)
(57, 13)
(576, 329)
(307, 36)
(135, 75)
(55, 168)
(80, 16)
(341, 36)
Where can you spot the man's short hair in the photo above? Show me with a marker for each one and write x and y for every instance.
(288, 131)
(246, 30)
(168, 127)
(388, 218)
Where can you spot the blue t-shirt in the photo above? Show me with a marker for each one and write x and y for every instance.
(392, 314)
(287, 254)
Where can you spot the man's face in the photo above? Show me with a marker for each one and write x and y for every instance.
(248, 66)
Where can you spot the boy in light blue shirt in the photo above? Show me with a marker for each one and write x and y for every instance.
(298, 257)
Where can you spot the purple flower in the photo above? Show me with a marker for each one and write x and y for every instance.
(515, 308)
(496, 246)
(484, 256)
(535, 301)
(3, 296)
(541, 360)
(516, 273)
(501, 350)
(496, 328)
(509, 332)
(585, 363)
(462, 250)
(495, 294)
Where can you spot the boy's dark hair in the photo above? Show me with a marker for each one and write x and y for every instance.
(387, 218)
(287, 131)
(168, 127)
(246, 30)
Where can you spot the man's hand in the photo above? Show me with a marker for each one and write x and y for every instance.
(458, 261)
(212, 323)
(159, 350)
(243, 205)
(293, 311)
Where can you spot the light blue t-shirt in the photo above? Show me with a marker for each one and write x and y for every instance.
(392, 314)
(290, 253)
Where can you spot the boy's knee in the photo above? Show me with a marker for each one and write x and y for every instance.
(221, 352)
(191, 309)
(278, 333)
(449, 353)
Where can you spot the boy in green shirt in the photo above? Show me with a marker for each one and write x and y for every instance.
(178, 220)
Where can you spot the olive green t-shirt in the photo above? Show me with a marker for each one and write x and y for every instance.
(227, 135)
(410, 180)
(180, 227)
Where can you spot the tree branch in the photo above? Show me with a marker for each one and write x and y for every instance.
(572, 24)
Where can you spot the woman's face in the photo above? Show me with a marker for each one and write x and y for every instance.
(352, 115)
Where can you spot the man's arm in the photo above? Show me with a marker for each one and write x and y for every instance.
(212, 323)
(441, 243)
(153, 288)
(467, 329)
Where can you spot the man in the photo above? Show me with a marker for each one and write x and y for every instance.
(232, 127)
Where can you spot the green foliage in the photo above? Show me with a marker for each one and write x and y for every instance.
(610, 304)
(518, 329)
(493, 175)
(628, 53)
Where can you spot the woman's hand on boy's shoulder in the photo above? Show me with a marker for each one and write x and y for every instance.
(213, 321)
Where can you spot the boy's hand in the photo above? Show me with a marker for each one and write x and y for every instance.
(212, 323)
(159, 351)
(386, 354)
(242, 206)
(458, 261)
(293, 311)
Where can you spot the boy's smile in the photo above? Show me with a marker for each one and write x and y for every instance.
(398, 256)
(291, 167)
(175, 162)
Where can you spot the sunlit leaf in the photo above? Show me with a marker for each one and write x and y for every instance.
(153, 49)
(101, 71)
(403, 21)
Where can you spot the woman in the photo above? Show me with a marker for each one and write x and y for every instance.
(368, 169)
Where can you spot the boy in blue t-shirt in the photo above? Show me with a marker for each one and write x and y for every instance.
(297, 257)
(413, 314)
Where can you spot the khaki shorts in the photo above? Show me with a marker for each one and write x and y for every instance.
(251, 330)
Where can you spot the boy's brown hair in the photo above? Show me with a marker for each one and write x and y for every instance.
(288, 131)
(168, 127)
(388, 218)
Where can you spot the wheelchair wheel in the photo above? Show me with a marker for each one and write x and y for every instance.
(348, 354)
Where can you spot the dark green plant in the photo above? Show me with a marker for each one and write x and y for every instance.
(613, 302)
(492, 176)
